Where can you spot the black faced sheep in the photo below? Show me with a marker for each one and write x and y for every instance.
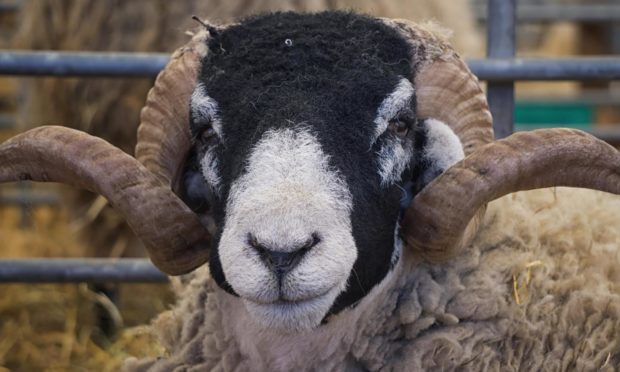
(345, 229)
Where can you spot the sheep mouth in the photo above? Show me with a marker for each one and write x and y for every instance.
(287, 302)
(288, 315)
(292, 316)
(282, 301)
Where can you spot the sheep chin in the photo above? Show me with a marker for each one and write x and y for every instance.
(292, 317)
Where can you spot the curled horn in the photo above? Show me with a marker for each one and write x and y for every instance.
(163, 135)
(444, 217)
(445, 90)
(171, 232)
(140, 189)
(164, 138)
(441, 219)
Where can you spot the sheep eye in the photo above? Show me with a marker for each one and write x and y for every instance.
(399, 126)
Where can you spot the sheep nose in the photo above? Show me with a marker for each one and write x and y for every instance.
(281, 262)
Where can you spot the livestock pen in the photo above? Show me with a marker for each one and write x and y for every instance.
(500, 70)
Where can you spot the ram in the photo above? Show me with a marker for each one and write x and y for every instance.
(305, 157)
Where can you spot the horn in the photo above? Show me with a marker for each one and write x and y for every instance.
(163, 135)
(140, 189)
(173, 235)
(442, 218)
(445, 216)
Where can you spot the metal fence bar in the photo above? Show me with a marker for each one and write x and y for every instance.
(90, 270)
(107, 64)
(529, 69)
(149, 64)
(26, 199)
(501, 44)
(30, 197)
(9, 6)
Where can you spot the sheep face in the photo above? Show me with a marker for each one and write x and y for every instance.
(307, 148)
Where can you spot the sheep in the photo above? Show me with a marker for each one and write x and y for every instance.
(335, 172)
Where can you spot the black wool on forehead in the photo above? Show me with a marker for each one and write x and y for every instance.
(331, 69)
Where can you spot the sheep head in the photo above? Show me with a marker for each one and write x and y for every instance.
(304, 138)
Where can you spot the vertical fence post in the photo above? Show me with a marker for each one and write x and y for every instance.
(501, 21)
(615, 37)
(24, 204)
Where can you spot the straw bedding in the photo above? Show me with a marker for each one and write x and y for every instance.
(48, 327)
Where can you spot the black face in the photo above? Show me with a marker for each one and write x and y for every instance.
(329, 72)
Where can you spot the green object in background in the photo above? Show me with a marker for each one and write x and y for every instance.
(540, 114)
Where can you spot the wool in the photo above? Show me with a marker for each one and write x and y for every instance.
(556, 250)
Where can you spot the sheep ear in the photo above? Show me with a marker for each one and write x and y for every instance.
(437, 149)
(440, 149)
(193, 189)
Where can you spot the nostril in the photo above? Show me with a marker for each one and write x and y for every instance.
(280, 261)
(310, 243)
(262, 251)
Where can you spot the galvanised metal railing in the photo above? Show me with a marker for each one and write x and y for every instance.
(68, 270)
(106, 64)
(500, 70)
